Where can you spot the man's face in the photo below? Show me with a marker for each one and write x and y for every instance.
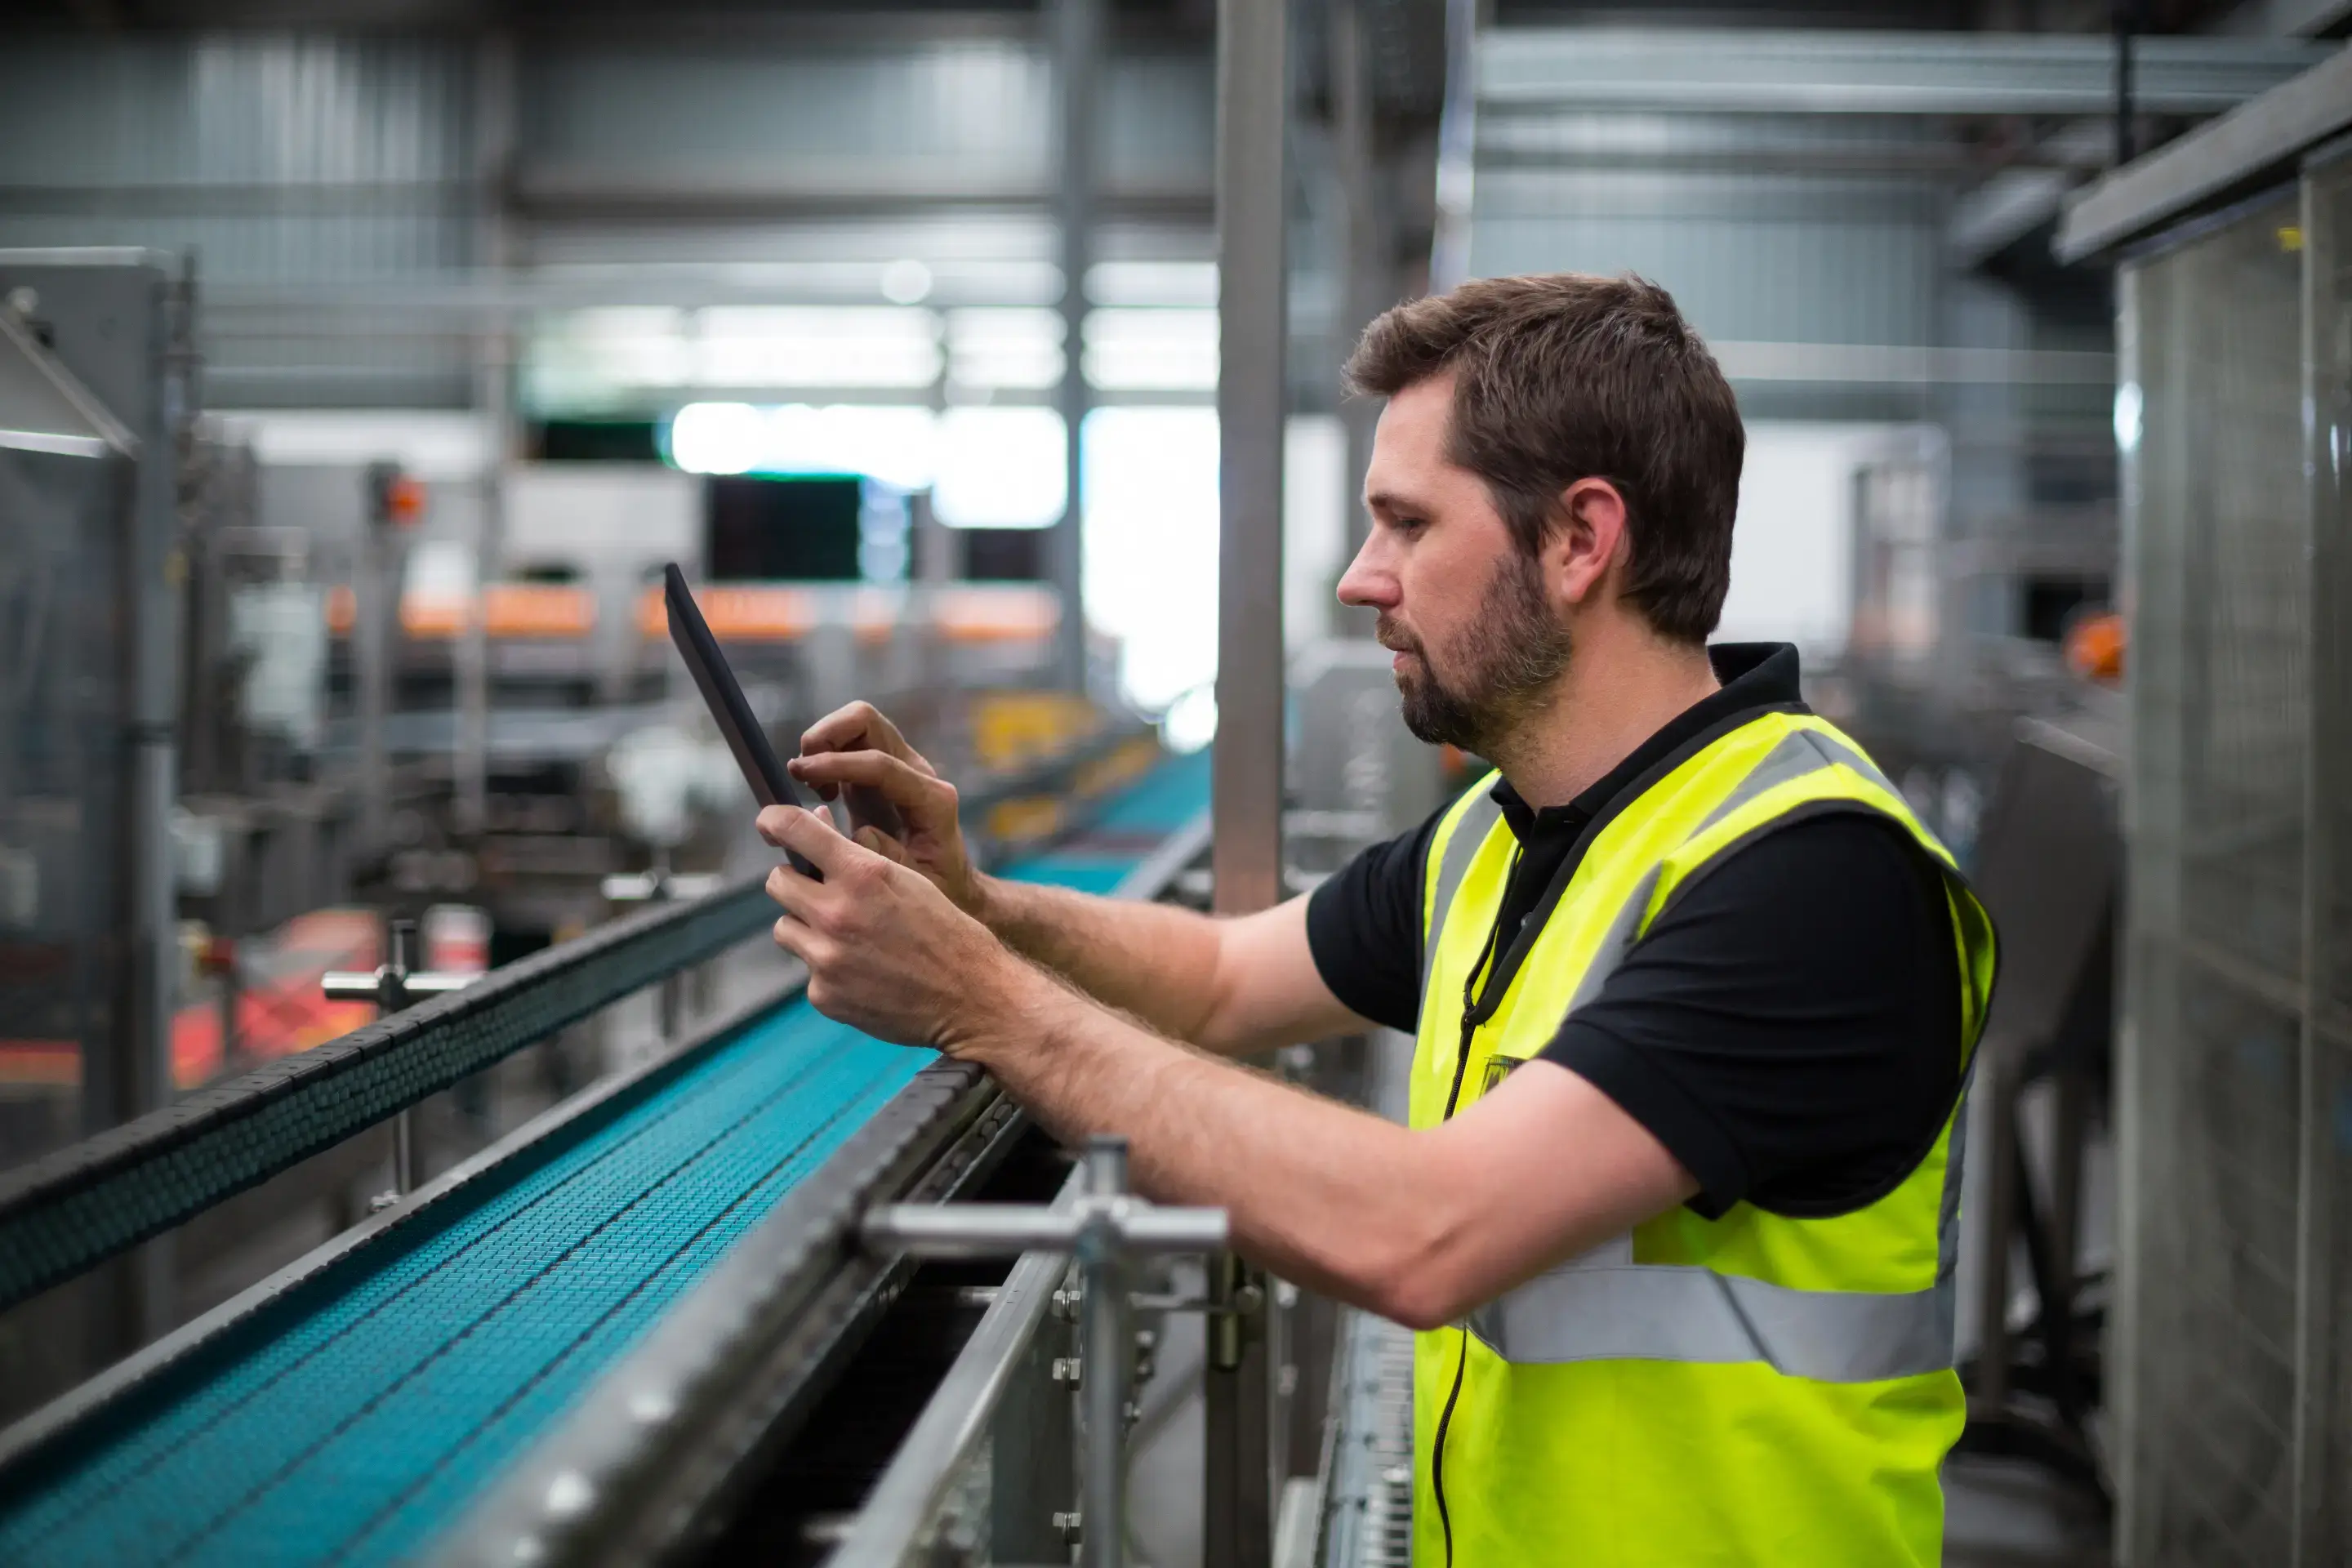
(1476, 638)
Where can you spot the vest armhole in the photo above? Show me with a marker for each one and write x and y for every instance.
(1947, 878)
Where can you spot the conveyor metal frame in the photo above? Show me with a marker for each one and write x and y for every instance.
(63, 1215)
(642, 1467)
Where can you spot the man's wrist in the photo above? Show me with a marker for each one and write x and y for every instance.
(982, 900)
(1007, 1012)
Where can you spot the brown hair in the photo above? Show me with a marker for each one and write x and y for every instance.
(1562, 376)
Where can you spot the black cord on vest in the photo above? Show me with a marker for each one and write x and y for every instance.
(1461, 1067)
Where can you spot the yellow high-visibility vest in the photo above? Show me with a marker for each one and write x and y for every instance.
(1751, 1389)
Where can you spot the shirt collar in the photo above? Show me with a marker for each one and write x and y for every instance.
(1755, 676)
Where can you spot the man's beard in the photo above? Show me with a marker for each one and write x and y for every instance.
(1508, 653)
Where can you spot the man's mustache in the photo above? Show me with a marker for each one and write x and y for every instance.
(1395, 638)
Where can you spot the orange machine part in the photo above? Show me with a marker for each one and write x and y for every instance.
(2095, 646)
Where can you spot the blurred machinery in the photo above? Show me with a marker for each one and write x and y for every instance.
(2047, 864)
(2231, 1367)
(94, 368)
(643, 1327)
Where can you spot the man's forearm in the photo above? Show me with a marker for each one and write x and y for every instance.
(1155, 961)
(1317, 1190)
(1419, 1226)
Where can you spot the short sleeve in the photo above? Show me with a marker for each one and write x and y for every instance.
(1790, 1026)
(1363, 926)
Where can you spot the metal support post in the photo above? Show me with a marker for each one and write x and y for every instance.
(1106, 1230)
(494, 137)
(1253, 191)
(1078, 62)
(376, 593)
(1107, 1357)
(394, 986)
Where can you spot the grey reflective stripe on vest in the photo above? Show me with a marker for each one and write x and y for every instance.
(1947, 1211)
(1800, 751)
(1478, 819)
(1682, 1312)
(1603, 1306)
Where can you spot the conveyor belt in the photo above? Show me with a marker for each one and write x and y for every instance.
(352, 1417)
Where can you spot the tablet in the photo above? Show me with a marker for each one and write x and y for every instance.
(723, 695)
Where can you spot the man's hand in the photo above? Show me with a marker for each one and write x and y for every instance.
(856, 748)
(886, 953)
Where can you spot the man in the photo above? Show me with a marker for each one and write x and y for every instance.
(1695, 991)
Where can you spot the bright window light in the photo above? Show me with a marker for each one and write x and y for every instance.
(1152, 546)
(1190, 722)
(894, 446)
(1004, 347)
(718, 437)
(1000, 467)
(795, 346)
(1152, 351)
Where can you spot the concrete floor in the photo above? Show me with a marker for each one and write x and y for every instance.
(2007, 1513)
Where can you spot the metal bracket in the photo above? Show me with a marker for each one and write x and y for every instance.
(394, 987)
(1105, 1230)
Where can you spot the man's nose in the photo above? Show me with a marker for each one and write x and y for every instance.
(1368, 582)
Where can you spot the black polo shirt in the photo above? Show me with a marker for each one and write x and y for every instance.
(1789, 1028)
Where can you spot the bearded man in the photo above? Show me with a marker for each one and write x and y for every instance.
(1695, 991)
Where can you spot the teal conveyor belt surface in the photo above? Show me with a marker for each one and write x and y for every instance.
(354, 1417)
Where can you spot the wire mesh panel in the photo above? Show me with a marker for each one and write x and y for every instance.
(2327, 1141)
(61, 707)
(2210, 1086)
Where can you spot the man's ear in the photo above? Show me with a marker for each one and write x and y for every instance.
(1585, 548)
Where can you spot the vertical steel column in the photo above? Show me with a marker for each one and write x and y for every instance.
(1366, 270)
(494, 142)
(2321, 1527)
(1252, 93)
(1078, 63)
(1449, 261)
(1252, 201)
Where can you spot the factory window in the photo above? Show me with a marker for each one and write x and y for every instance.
(1150, 477)
(1001, 468)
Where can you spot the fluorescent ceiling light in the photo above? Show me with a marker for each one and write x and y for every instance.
(1004, 347)
(1152, 351)
(796, 347)
(1152, 283)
